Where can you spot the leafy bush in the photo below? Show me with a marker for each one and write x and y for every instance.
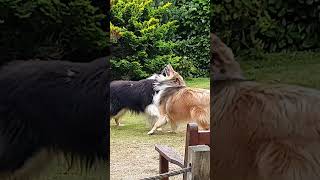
(51, 29)
(193, 40)
(144, 30)
(150, 34)
(268, 25)
(132, 69)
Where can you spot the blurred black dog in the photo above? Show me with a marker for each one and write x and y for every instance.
(52, 107)
(134, 96)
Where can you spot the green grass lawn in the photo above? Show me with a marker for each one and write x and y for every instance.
(198, 83)
(296, 68)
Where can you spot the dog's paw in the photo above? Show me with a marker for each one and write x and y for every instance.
(172, 132)
(120, 125)
(159, 129)
(150, 132)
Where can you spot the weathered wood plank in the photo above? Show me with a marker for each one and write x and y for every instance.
(199, 158)
(170, 155)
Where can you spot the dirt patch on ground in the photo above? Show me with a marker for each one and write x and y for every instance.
(135, 160)
(133, 154)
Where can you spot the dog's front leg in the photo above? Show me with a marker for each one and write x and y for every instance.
(118, 116)
(118, 122)
(160, 122)
(173, 127)
(153, 114)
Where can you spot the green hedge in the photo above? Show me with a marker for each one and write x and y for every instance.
(268, 25)
(51, 29)
(149, 34)
(193, 33)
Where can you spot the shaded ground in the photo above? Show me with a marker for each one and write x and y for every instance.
(58, 171)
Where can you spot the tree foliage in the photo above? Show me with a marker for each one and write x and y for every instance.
(149, 34)
(268, 25)
(192, 35)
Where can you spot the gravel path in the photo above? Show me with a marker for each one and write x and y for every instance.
(134, 158)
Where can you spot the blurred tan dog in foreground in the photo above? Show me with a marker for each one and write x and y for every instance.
(261, 131)
(180, 104)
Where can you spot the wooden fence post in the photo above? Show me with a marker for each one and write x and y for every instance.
(199, 158)
(163, 166)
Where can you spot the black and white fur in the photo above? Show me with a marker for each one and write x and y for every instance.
(135, 96)
(49, 108)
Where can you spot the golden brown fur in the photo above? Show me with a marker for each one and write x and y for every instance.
(263, 131)
(180, 104)
(188, 105)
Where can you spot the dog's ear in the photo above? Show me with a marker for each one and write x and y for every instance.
(221, 54)
(223, 64)
(178, 80)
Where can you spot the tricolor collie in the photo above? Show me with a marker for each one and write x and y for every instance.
(180, 104)
(134, 96)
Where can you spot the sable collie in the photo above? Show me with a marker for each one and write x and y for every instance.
(135, 96)
(180, 104)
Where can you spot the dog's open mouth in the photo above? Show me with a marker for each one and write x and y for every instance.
(167, 74)
(170, 77)
(165, 71)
